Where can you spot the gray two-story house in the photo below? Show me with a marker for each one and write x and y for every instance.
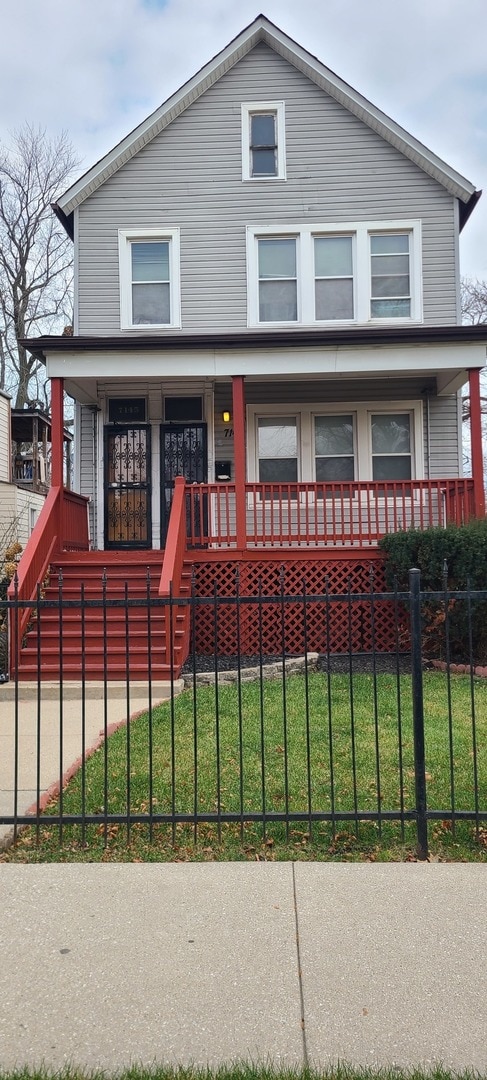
(267, 354)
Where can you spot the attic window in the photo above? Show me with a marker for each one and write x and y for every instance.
(263, 138)
(149, 279)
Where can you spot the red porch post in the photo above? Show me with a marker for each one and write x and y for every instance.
(476, 442)
(57, 447)
(238, 402)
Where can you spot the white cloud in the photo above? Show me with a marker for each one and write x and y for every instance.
(96, 68)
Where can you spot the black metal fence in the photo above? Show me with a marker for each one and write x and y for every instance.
(360, 747)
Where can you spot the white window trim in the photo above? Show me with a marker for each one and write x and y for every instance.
(276, 107)
(126, 237)
(360, 232)
(361, 413)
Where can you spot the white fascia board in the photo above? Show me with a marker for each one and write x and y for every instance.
(262, 30)
(214, 363)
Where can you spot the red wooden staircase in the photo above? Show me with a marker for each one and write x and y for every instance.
(77, 637)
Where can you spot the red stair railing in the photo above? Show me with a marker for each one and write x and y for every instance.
(64, 514)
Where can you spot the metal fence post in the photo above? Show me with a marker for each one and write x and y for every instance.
(418, 715)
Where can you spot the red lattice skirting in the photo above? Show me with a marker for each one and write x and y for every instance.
(337, 627)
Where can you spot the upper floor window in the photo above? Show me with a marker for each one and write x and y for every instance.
(149, 278)
(263, 141)
(277, 280)
(390, 276)
(333, 257)
(355, 273)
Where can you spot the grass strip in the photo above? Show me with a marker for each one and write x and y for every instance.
(249, 747)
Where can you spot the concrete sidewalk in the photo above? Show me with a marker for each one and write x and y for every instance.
(53, 759)
(106, 965)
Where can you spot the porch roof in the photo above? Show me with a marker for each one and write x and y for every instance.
(248, 339)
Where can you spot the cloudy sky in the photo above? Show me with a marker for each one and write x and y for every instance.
(96, 68)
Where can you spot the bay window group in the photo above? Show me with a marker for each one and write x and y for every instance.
(327, 274)
(366, 443)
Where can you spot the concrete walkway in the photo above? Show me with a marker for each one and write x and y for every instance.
(21, 723)
(106, 965)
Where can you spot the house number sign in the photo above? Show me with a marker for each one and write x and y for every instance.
(126, 410)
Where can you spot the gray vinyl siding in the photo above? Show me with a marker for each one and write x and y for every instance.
(189, 176)
(88, 451)
(445, 437)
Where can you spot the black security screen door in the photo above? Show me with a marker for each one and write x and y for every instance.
(184, 452)
(127, 487)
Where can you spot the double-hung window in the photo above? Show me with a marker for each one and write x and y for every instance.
(263, 141)
(278, 296)
(358, 272)
(333, 257)
(390, 275)
(277, 449)
(391, 446)
(149, 278)
(334, 443)
(330, 444)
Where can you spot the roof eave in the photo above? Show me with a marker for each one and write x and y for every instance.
(264, 30)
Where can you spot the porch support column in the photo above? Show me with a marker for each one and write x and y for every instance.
(476, 442)
(57, 440)
(238, 402)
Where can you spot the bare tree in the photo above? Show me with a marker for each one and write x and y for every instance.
(35, 255)
(474, 301)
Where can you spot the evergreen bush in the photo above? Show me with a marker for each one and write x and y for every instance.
(452, 558)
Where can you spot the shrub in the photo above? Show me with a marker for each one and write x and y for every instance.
(8, 565)
(454, 558)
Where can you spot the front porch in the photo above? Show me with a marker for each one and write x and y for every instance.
(258, 526)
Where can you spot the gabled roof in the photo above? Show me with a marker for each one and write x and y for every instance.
(262, 30)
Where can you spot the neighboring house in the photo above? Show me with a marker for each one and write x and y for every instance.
(267, 305)
(24, 478)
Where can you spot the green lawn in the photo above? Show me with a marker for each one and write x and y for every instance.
(285, 754)
(244, 1072)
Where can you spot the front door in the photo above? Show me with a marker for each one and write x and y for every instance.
(184, 452)
(127, 486)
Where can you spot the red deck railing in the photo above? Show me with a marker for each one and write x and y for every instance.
(323, 514)
(175, 548)
(65, 517)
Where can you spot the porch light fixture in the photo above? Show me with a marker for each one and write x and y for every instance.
(226, 416)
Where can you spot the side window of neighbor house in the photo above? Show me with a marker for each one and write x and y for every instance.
(149, 279)
(263, 141)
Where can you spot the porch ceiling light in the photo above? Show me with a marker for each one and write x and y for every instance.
(226, 416)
